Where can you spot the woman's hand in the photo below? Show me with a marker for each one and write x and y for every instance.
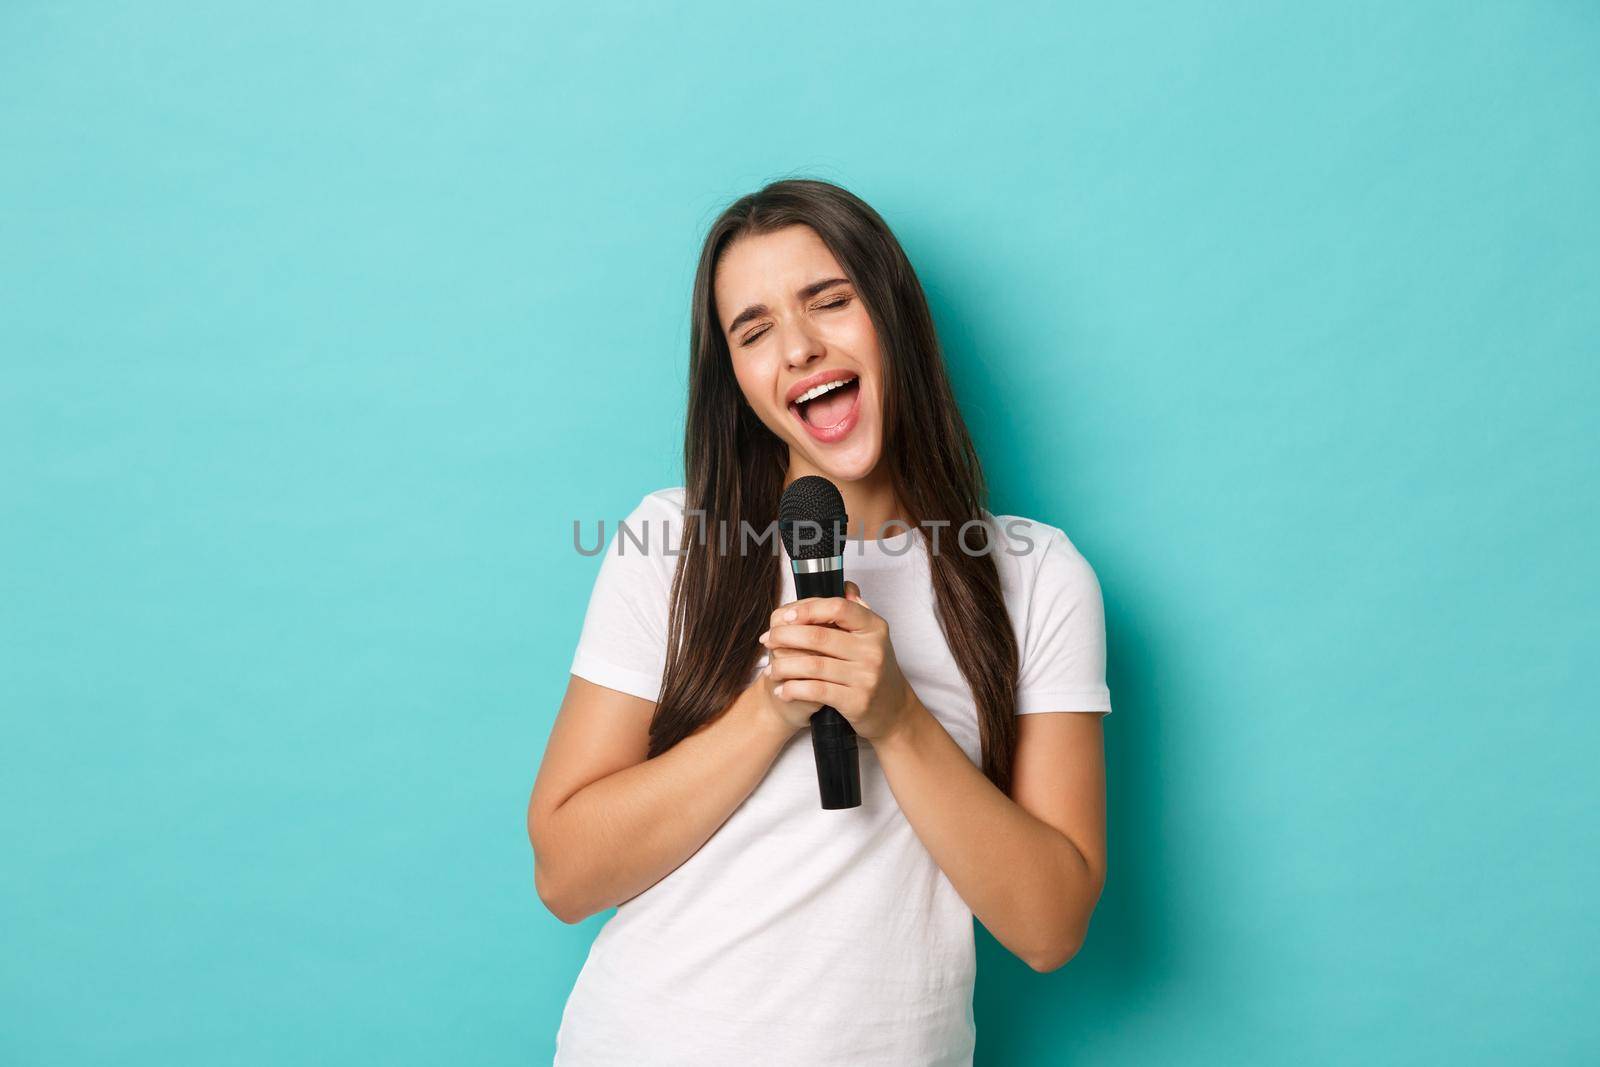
(793, 713)
(836, 651)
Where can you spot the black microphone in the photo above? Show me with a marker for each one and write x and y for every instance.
(812, 522)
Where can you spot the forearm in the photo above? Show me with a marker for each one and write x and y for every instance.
(618, 836)
(1026, 881)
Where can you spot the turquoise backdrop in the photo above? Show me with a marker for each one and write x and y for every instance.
(320, 323)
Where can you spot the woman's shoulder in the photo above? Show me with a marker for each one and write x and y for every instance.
(668, 502)
(650, 533)
(1031, 553)
(660, 508)
(1058, 613)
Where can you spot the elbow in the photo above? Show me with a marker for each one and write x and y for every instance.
(555, 895)
(1053, 957)
(1059, 950)
(1064, 944)
(552, 893)
(554, 900)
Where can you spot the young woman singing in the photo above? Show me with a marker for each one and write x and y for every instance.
(679, 785)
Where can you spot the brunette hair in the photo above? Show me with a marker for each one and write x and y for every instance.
(735, 468)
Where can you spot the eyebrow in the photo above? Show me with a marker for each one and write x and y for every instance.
(755, 311)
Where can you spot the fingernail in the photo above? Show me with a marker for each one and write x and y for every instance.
(790, 615)
(763, 637)
(777, 691)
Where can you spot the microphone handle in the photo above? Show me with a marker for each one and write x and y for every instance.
(833, 739)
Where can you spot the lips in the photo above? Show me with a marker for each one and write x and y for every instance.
(832, 414)
(805, 385)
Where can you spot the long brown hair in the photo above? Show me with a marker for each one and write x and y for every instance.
(735, 468)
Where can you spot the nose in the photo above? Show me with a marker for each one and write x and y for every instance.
(800, 347)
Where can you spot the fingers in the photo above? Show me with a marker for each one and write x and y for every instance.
(813, 691)
(820, 668)
(775, 654)
(823, 639)
(852, 591)
(838, 611)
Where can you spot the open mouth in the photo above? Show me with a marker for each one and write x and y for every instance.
(828, 412)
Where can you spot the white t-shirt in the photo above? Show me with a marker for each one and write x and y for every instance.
(797, 935)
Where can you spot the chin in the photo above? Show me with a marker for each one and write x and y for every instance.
(849, 464)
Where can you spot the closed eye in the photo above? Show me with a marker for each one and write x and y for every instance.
(829, 306)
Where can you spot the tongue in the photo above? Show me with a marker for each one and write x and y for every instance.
(830, 408)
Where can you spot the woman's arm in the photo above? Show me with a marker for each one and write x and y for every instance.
(1031, 865)
(606, 823)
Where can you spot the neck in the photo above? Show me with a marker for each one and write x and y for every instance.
(870, 502)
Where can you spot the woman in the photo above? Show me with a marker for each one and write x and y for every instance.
(679, 785)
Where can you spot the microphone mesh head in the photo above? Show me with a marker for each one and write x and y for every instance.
(811, 519)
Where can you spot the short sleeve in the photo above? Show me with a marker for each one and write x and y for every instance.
(624, 639)
(1063, 653)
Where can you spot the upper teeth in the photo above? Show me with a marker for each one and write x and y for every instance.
(818, 390)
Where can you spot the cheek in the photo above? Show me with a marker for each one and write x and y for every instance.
(755, 381)
(743, 378)
(863, 343)
(865, 347)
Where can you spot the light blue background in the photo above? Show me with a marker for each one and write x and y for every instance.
(321, 323)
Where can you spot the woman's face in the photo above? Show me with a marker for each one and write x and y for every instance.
(804, 350)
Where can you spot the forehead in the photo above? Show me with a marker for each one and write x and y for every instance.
(768, 268)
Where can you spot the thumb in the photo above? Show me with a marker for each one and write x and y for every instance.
(852, 591)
